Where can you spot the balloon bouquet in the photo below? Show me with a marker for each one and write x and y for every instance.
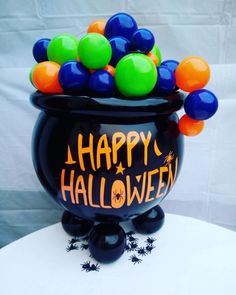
(108, 144)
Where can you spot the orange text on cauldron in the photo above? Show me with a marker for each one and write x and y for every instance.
(154, 185)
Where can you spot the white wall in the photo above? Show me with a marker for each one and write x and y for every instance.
(182, 27)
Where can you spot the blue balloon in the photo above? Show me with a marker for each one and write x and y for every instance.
(40, 50)
(120, 24)
(170, 64)
(73, 76)
(201, 104)
(165, 81)
(101, 83)
(120, 47)
(142, 40)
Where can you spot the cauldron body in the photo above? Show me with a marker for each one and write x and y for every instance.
(107, 159)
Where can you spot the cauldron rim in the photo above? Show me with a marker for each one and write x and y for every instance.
(117, 106)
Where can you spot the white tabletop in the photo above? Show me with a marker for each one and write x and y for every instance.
(188, 257)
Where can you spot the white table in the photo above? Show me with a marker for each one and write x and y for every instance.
(190, 257)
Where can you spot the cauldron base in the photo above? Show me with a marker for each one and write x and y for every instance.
(107, 241)
(150, 221)
(74, 225)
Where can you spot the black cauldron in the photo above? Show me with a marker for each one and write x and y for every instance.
(107, 160)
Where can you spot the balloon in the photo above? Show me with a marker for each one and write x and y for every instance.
(73, 76)
(94, 51)
(120, 47)
(166, 80)
(97, 26)
(142, 40)
(192, 73)
(120, 24)
(110, 69)
(40, 50)
(107, 242)
(45, 77)
(153, 57)
(201, 104)
(156, 50)
(135, 75)
(190, 127)
(171, 64)
(63, 48)
(30, 75)
(101, 83)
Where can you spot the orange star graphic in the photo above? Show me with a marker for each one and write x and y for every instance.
(120, 169)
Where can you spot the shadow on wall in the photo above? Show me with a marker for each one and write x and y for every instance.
(23, 212)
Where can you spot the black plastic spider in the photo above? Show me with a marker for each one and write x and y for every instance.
(142, 251)
(95, 267)
(133, 246)
(132, 239)
(87, 266)
(135, 259)
(130, 233)
(149, 248)
(150, 240)
(127, 248)
(74, 240)
(72, 247)
(84, 246)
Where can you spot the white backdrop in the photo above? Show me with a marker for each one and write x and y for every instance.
(206, 188)
(181, 27)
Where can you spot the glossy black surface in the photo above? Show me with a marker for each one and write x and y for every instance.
(107, 242)
(74, 225)
(149, 222)
(117, 184)
(119, 106)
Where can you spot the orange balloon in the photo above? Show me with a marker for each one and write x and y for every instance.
(45, 77)
(153, 57)
(110, 69)
(190, 127)
(97, 26)
(192, 73)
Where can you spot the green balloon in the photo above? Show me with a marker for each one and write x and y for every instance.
(30, 75)
(75, 38)
(94, 51)
(156, 50)
(135, 75)
(62, 48)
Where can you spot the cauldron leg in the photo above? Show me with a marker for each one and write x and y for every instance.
(74, 225)
(150, 221)
(107, 242)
